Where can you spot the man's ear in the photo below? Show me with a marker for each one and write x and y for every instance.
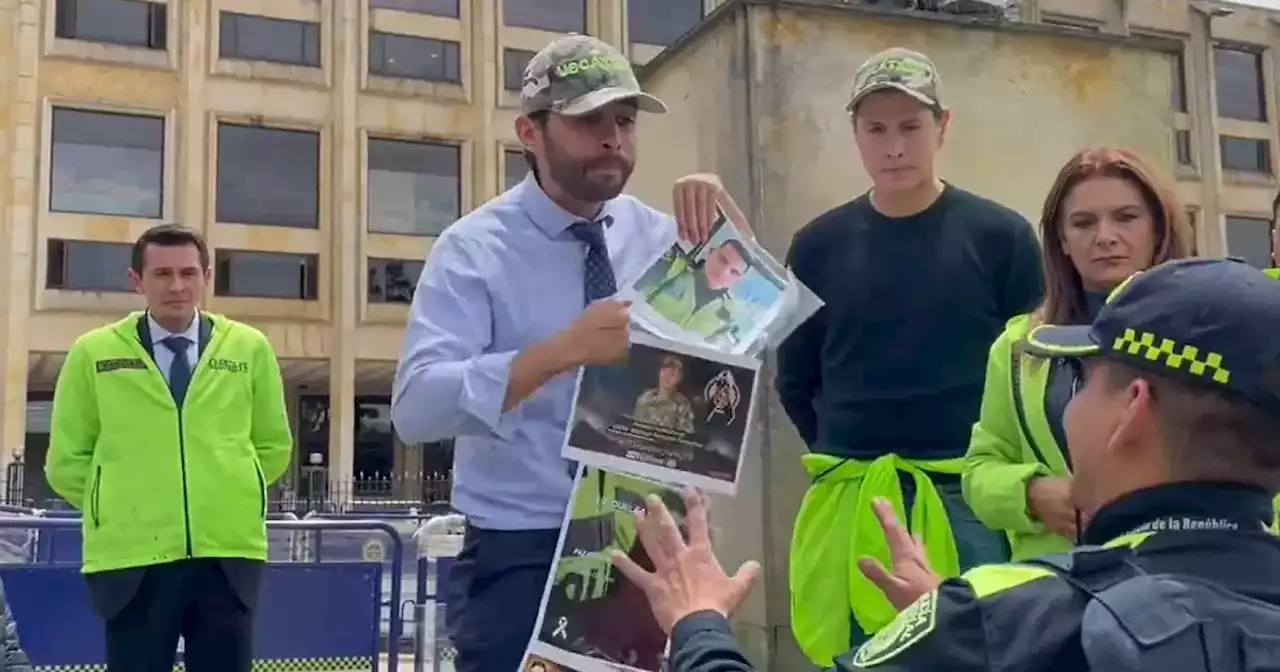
(944, 122)
(1137, 419)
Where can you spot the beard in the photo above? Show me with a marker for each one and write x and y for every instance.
(573, 176)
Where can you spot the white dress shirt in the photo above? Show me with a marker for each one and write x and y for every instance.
(164, 356)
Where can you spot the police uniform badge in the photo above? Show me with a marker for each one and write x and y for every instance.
(911, 625)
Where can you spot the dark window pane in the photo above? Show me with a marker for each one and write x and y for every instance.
(1182, 147)
(1247, 155)
(412, 57)
(393, 280)
(514, 167)
(1179, 82)
(415, 188)
(88, 266)
(107, 164)
(447, 8)
(514, 62)
(1238, 75)
(1250, 239)
(272, 275)
(557, 16)
(661, 21)
(262, 38)
(268, 176)
(125, 22)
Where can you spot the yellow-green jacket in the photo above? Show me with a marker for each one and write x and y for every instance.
(1001, 459)
(675, 298)
(156, 483)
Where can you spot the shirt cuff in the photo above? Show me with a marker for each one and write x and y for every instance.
(484, 390)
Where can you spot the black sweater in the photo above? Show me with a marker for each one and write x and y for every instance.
(895, 360)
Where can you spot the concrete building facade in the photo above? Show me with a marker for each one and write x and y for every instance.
(758, 94)
(318, 144)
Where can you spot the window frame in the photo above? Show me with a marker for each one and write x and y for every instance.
(371, 140)
(1259, 77)
(308, 281)
(310, 30)
(376, 40)
(221, 156)
(139, 115)
(456, 14)
(1264, 221)
(66, 25)
(518, 81)
(577, 28)
(380, 262)
(61, 248)
(1261, 145)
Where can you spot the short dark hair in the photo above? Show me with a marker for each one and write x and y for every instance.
(671, 362)
(168, 235)
(1212, 434)
(740, 248)
(540, 119)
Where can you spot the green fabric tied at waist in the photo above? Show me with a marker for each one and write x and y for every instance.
(836, 526)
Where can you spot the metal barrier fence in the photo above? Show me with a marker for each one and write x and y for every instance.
(313, 616)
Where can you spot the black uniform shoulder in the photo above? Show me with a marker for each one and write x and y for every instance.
(990, 618)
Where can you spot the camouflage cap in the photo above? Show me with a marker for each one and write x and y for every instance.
(578, 74)
(898, 69)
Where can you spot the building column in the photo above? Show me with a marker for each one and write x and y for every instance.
(20, 22)
(486, 77)
(609, 22)
(1204, 128)
(345, 255)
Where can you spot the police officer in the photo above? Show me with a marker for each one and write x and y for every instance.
(1173, 439)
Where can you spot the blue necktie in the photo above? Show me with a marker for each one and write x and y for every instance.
(598, 279)
(180, 369)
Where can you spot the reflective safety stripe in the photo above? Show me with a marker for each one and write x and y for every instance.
(988, 580)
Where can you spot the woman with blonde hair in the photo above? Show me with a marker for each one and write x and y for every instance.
(1109, 214)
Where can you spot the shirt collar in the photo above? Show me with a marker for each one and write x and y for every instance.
(159, 333)
(547, 214)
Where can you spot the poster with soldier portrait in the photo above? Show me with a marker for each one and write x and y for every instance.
(670, 411)
(593, 619)
(723, 293)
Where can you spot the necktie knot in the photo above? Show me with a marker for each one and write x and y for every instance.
(591, 233)
(176, 344)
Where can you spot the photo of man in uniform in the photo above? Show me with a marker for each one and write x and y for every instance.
(697, 296)
(665, 405)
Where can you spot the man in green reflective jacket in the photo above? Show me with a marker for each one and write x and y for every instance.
(167, 428)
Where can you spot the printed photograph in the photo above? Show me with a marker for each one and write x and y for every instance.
(534, 663)
(671, 412)
(593, 617)
(721, 293)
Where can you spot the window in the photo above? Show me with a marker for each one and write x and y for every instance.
(1179, 82)
(105, 163)
(514, 61)
(1182, 148)
(267, 275)
(1193, 219)
(1238, 79)
(410, 57)
(1247, 155)
(268, 176)
(557, 16)
(415, 188)
(514, 167)
(1250, 239)
(393, 280)
(446, 8)
(86, 266)
(661, 21)
(129, 23)
(262, 38)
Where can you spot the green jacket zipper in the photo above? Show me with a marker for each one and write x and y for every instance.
(186, 503)
(97, 489)
(1020, 408)
(262, 490)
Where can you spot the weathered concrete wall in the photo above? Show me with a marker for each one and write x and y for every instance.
(758, 98)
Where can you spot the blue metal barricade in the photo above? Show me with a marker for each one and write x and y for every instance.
(311, 616)
(438, 543)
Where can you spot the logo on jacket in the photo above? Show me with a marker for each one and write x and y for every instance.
(229, 365)
(109, 365)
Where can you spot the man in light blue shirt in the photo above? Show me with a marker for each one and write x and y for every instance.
(515, 297)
